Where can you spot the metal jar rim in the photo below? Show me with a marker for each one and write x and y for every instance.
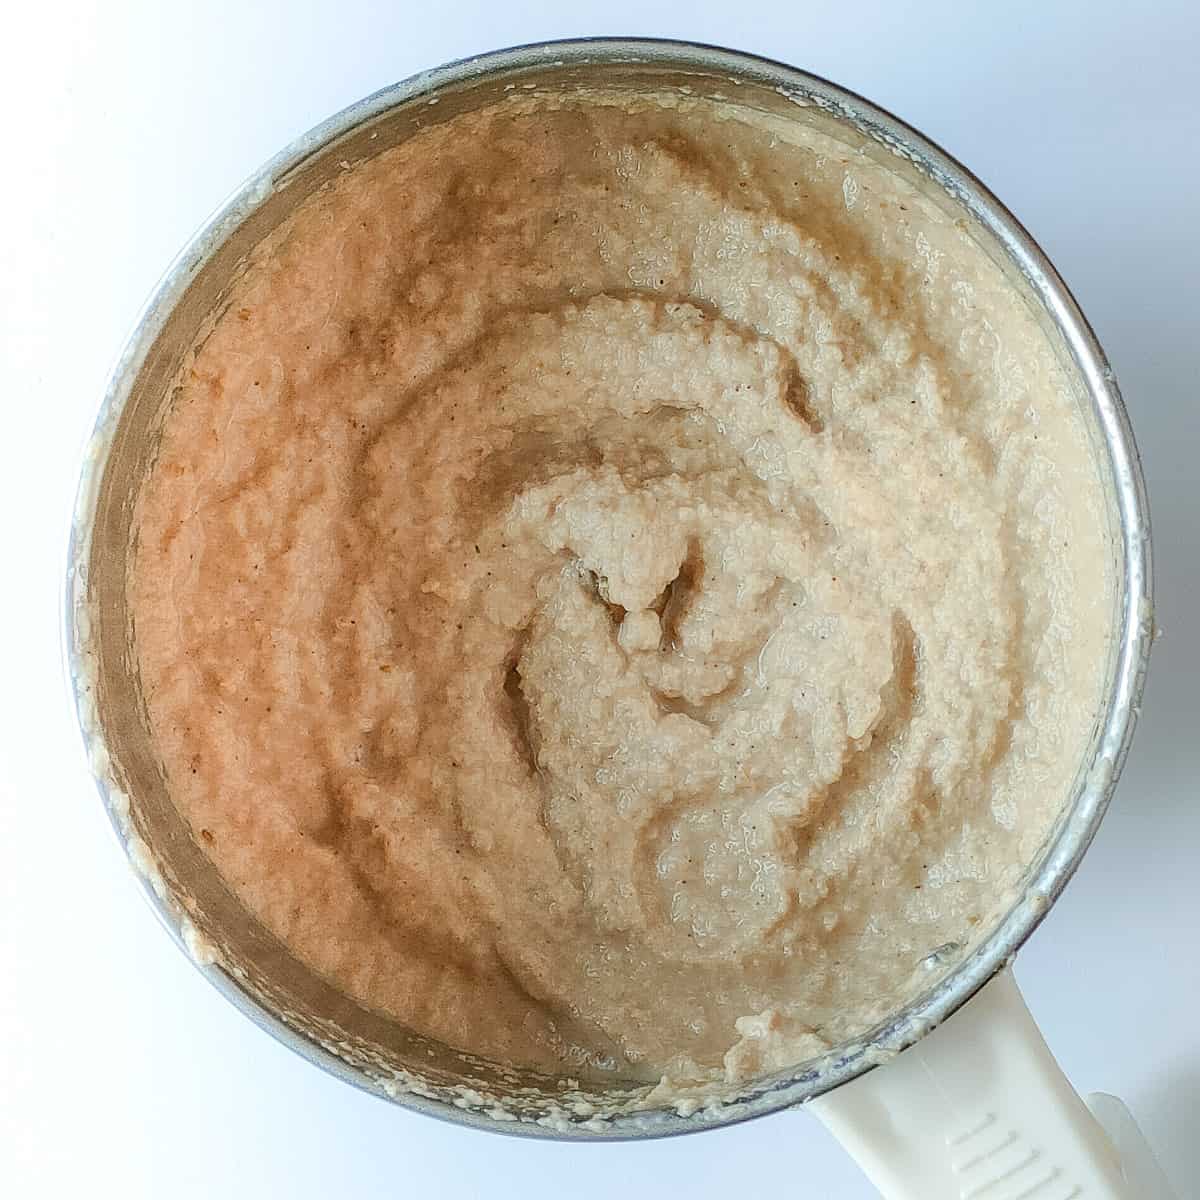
(1133, 633)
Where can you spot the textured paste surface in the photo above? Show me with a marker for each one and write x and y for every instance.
(620, 586)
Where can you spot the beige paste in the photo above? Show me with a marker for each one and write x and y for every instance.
(621, 585)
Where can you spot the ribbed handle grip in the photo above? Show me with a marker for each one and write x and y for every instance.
(978, 1110)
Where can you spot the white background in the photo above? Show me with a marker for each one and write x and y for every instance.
(121, 1071)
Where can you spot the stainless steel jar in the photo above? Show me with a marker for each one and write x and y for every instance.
(252, 969)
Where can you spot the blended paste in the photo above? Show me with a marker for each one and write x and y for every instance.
(622, 584)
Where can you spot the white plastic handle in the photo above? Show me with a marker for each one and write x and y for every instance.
(979, 1110)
